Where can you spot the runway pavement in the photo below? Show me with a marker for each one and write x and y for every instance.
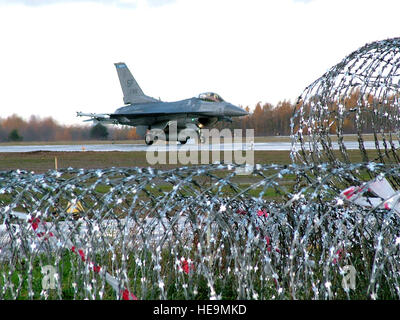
(262, 146)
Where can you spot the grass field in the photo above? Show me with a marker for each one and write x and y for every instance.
(45, 160)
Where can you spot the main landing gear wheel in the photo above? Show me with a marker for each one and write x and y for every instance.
(148, 139)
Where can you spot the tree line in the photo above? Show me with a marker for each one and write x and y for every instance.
(266, 119)
(15, 128)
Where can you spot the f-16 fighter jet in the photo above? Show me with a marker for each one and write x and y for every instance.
(153, 118)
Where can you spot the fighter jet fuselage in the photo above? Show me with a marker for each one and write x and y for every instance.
(151, 116)
(184, 111)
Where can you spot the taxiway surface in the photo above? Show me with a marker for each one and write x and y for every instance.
(261, 146)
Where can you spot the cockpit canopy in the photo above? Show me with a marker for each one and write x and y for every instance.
(210, 97)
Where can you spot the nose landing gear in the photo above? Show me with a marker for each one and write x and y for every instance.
(202, 138)
(184, 141)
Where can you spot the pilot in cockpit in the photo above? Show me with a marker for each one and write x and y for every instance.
(210, 97)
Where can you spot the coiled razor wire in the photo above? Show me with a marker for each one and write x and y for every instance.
(193, 233)
(320, 228)
(359, 95)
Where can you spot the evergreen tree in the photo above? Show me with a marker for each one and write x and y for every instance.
(99, 132)
(14, 136)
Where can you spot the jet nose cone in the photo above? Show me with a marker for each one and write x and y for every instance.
(234, 111)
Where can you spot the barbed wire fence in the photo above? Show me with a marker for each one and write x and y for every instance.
(319, 228)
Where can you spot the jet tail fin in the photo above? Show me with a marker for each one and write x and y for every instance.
(130, 88)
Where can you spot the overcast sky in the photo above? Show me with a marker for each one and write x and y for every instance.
(56, 57)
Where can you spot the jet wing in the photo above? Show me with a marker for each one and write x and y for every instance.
(124, 118)
(140, 114)
(145, 113)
